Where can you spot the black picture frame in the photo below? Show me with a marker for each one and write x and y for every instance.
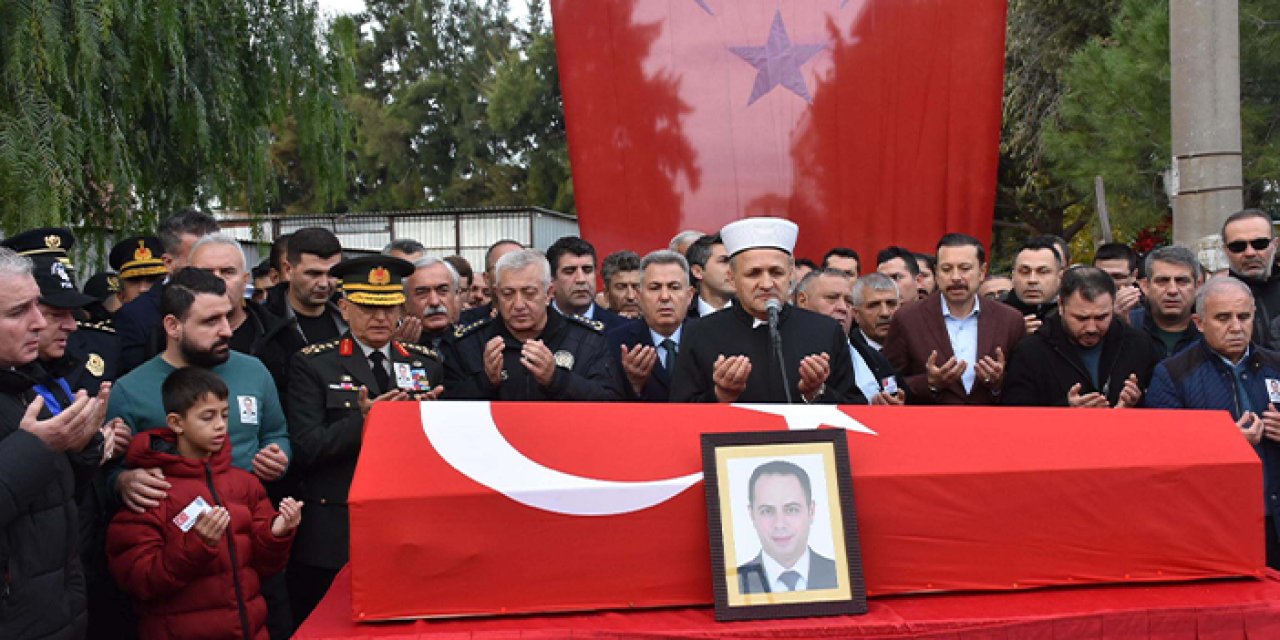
(745, 594)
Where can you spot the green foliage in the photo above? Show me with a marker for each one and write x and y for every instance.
(457, 107)
(1114, 116)
(113, 112)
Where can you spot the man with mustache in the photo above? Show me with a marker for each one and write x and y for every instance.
(951, 347)
(875, 299)
(573, 279)
(1083, 356)
(528, 351)
(196, 315)
(1037, 270)
(830, 292)
(1249, 239)
(730, 356)
(432, 302)
(621, 273)
(1225, 371)
(1173, 274)
(649, 348)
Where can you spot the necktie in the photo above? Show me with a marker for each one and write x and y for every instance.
(670, 346)
(380, 372)
(789, 578)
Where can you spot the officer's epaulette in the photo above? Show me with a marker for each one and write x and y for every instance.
(461, 331)
(320, 347)
(101, 325)
(594, 325)
(426, 351)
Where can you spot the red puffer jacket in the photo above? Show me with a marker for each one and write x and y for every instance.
(182, 587)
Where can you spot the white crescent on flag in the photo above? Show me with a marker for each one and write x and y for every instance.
(466, 436)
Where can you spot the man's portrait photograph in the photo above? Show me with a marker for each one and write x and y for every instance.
(780, 534)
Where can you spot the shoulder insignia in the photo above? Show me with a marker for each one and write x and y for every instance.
(104, 326)
(463, 330)
(594, 325)
(426, 351)
(320, 347)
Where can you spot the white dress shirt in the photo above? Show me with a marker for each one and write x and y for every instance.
(964, 339)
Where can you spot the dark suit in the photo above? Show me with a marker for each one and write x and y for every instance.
(822, 574)
(918, 329)
(134, 323)
(880, 366)
(636, 332)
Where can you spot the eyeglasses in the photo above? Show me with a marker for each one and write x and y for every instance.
(1258, 244)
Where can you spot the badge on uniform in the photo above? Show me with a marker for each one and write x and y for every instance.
(248, 409)
(95, 365)
(1273, 389)
(404, 375)
(564, 359)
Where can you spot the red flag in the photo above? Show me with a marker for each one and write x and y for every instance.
(868, 122)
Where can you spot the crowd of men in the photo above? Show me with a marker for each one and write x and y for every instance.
(308, 341)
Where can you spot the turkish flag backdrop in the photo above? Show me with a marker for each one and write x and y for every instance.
(867, 122)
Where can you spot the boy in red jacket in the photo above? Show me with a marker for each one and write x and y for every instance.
(194, 564)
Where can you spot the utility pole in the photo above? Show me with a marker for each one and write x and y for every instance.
(1207, 182)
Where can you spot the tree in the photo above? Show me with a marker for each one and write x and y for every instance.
(526, 112)
(423, 136)
(113, 112)
(1042, 36)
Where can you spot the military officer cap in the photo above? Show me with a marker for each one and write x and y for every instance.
(48, 241)
(102, 285)
(373, 280)
(138, 257)
(759, 233)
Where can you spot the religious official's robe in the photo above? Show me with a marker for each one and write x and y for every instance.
(731, 332)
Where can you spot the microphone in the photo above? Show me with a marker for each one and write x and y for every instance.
(774, 307)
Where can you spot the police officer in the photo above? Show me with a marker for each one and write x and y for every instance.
(332, 386)
(88, 350)
(70, 359)
(528, 352)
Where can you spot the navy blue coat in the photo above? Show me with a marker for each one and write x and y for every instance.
(658, 388)
(1197, 378)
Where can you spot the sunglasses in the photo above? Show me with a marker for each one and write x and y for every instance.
(1258, 244)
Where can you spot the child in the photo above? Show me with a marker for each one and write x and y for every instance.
(194, 564)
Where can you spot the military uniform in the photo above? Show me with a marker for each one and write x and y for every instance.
(136, 321)
(584, 363)
(326, 426)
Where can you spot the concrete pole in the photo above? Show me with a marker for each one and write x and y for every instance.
(1204, 38)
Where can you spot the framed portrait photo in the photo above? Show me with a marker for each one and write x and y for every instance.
(782, 524)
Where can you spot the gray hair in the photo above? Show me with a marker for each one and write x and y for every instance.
(407, 246)
(1175, 254)
(684, 237)
(807, 280)
(220, 237)
(874, 281)
(13, 264)
(1219, 284)
(618, 262)
(520, 260)
(666, 256)
(431, 261)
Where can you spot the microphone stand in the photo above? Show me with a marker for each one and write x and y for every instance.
(775, 336)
